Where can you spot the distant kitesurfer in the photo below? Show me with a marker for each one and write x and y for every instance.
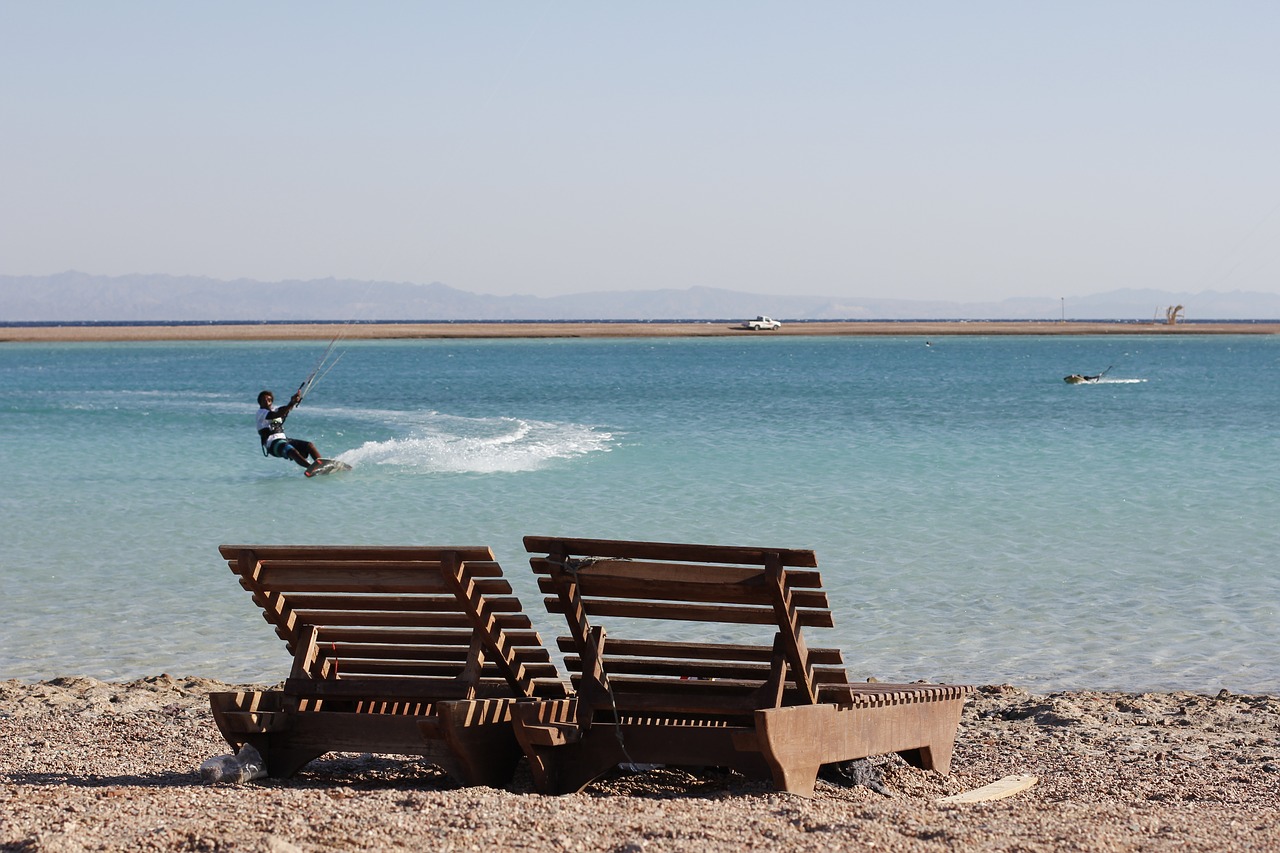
(275, 442)
(1078, 378)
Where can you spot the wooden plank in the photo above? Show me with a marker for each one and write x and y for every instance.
(324, 618)
(349, 618)
(694, 613)
(706, 573)
(630, 584)
(276, 574)
(668, 649)
(347, 667)
(428, 569)
(679, 669)
(409, 664)
(369, 578)
(705, 651)
(998, 790)
(406, 651)
(360, 666)
(365, 651)
(477, 554)
(524, 639)
(790, 640)
(668, 551)
(408, 603)
(719, 699)
(373, 689)
(701, 670)
(878, 695)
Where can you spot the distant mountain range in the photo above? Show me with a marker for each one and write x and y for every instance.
(80, 297)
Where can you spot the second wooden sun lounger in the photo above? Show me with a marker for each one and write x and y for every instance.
(740, 689)
(399, 650)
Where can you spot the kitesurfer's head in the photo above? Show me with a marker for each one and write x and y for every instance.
(265, 399)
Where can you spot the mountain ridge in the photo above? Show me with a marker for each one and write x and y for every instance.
(83, 297)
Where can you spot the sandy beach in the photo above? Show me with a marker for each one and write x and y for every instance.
(92, 765)
(387, 331)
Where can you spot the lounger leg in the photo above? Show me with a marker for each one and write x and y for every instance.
(258, 718)
(562, 758)
(936, 756)
(792, 742)
(482, 748)
(283, 762)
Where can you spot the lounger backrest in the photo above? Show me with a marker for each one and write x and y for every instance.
(396, 622)
(620, 600)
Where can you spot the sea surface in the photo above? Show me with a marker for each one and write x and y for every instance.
(976, 519)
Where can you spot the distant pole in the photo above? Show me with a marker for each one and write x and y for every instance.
(1064, 308)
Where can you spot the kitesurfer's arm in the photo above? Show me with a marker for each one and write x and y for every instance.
(283, 411)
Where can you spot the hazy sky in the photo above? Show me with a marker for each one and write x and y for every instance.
(954, 150)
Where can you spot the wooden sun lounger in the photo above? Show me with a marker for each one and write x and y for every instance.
(398, 650)
(771, 709)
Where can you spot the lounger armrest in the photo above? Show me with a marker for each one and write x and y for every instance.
(550, 734)
(255, 722)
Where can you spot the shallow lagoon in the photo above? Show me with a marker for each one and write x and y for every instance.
(976, 518)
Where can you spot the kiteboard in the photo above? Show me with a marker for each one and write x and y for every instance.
(327, 466)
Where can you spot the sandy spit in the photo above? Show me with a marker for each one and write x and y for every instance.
(92, 765)
(369, 331)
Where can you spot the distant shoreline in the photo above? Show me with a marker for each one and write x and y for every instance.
(582, 329)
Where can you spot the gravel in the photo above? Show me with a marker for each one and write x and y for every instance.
(92, 765)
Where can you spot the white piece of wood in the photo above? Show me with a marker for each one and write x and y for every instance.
(998, 790)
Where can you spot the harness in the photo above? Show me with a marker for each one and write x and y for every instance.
(271, 434)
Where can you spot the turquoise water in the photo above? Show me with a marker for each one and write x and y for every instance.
(976, 519)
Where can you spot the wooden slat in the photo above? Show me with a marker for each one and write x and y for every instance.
(407, 603)
(364, 651)
(708, 574)
(668, 551)
(872, 694)
(347, 667)
(338, 578)
(693, 613)
(372, 688)
(477, 555)
(679, 669)
(423, 636)
(409, 662)
(373, 618)
(752, 590)
(701, 651)
(716, 700)
(685, 670)
(362, 578)
(405, 651)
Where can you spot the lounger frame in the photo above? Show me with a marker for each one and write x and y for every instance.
(398, 650)
(774, 710)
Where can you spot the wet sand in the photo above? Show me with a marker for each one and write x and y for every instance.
(370, 331)
(90, 765)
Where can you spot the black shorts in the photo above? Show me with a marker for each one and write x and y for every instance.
(281, 447)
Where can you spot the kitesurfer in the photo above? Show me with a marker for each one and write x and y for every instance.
(275, 442)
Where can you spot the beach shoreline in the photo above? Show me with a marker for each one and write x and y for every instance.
(90, 764)
(574, 329)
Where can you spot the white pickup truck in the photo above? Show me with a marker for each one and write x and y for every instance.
(762, 323)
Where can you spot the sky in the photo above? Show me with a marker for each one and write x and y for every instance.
(926, 150)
